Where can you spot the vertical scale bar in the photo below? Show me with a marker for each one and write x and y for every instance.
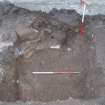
(82, 26)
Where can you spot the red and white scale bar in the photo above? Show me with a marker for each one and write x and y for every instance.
(47, 73)
(82, 25)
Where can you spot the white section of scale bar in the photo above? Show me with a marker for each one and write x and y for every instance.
(83, 16)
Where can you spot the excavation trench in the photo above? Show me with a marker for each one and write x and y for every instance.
(35, 50)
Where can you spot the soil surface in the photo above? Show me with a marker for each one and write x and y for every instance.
(34, 37)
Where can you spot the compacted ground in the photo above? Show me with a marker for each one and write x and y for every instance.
(41, 42)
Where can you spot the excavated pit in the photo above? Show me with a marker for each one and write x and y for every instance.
(38, 57)
(35, 34)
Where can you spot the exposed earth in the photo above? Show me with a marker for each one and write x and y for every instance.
(28, 44)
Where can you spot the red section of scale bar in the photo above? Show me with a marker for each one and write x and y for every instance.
(82, 30)
(65, 72)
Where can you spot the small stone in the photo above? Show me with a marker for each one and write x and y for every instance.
(92, 47)
(17, 81)
(55, 47)
(36, 30)
(18, 52)
(69, 49)
(77, 30)
(93, 38)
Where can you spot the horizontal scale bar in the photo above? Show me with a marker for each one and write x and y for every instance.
(55, 73)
